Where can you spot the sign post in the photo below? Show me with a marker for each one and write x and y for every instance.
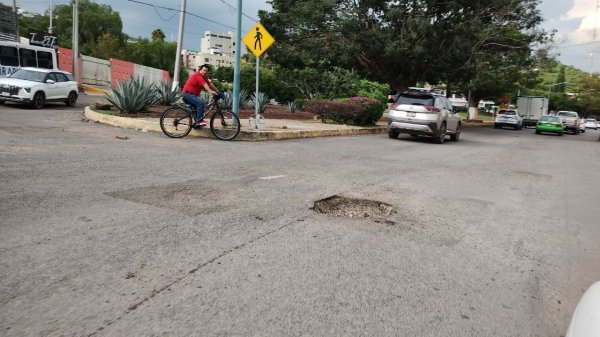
(257, 40)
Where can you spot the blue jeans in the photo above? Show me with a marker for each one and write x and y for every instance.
(195, 101)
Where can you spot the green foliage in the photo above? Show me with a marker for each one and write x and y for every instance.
(165, 95)
(300, 103)
(338, 111)
(372, 110)
(132, 95)
(261, 100)
(378, 91)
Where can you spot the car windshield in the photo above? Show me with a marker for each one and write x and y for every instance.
(29, 75)
(409, 99)
(567, 114)
(507, 112)
(550, 119)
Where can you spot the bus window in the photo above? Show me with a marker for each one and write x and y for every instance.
(44, 59)
(9, 56)
(28, 58)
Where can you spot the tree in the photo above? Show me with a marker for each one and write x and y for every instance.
(403, 42)
(108, 46)
(158, 34)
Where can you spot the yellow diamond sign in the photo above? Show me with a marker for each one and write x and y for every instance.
(258, 40)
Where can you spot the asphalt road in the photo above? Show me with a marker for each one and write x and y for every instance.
(112, 232)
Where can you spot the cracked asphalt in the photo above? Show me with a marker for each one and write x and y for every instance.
(113, 232)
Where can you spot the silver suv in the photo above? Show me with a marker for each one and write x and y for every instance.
(420, 113)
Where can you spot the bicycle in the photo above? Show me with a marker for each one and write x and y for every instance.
(176, 122)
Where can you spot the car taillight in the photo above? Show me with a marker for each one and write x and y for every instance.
(432, 108)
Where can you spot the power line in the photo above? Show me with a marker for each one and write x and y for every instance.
(186, 12)
(235, 9)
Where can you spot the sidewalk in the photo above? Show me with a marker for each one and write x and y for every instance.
(274, 129)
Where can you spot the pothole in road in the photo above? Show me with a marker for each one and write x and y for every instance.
(352, 208)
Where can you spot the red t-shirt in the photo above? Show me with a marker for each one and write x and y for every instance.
(195, 84)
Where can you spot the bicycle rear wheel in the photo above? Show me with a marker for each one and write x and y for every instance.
(224, 124)
(176, 122)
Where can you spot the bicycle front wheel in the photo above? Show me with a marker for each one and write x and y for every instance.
(176, 122)
(225, 125)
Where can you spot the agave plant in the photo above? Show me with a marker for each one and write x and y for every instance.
(227, 102)
(291, 107)
(261, 100)
(165, 94)
(132, 95)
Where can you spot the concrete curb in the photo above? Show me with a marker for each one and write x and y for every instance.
(152, 124)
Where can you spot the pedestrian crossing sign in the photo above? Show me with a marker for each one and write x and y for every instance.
(258, 39)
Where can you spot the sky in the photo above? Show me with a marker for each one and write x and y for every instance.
(576, 42)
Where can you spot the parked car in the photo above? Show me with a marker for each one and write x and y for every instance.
(420, 113)
(570, 120)
(458, 101)
(36, 86)
(509, 118)
(551, 124)
(591, 123)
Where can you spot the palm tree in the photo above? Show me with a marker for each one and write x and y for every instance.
(158, 34)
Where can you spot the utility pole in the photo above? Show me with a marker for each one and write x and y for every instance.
(50, 25)
(179, 43)
(236, 68)
(17, 35)
(76, 41)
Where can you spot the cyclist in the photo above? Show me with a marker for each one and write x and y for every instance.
(192, 89)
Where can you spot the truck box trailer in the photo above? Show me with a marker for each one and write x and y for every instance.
(531, 108)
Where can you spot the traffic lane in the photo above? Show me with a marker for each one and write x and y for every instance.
(119, 237)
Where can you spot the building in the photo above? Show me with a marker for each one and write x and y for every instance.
(216, 49)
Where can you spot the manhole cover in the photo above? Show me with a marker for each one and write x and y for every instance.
(352, 208)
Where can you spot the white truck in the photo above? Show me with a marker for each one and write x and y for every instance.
(531, 108)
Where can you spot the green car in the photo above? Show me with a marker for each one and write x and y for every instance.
(550, 124)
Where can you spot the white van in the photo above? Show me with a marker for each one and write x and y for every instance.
(14, 55)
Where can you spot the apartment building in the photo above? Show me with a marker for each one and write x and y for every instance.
(216, 49)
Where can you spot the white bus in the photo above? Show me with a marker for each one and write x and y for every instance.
(14, 55)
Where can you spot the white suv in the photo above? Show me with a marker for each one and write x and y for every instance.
(423, 114)
(509, 118)
(37, 86)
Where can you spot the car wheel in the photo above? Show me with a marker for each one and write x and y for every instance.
(495, 126)
(456, 135)
(575, 131)
(560, 133)
(1, 102)
(441, 136)
(38, 100)
(537, 132)
(393, 134)
(71, 99)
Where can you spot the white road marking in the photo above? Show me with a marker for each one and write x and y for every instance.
(271, 177)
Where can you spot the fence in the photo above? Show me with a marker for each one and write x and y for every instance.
(95, 71)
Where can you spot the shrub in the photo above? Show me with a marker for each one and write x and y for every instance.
(132, 95)
(165, 94)
(339, 111)
(300, 104)
(372, 110)
(291, 107)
